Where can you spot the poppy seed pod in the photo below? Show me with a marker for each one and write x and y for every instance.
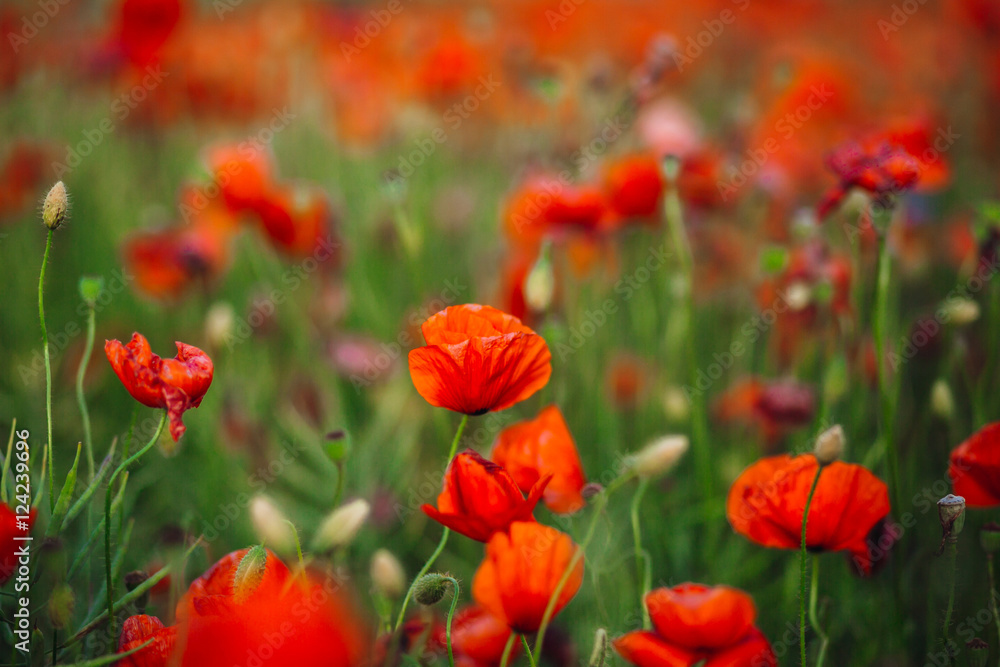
(829, 445)
(55, 208)
(989, 537)
(979, 652)
(430, 589)
(951, 511)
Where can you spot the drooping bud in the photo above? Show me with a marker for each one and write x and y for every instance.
(951, 511)
(829, 445)
(430, 589)
(942, 400)
(271, 526)
(387, 574)
(55, 208)
(599, 655)
(249, 573)
(979, 652)
(989, 537)
(540, 285)
(660, 456)
(342, 525)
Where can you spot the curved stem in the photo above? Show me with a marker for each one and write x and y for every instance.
(80, 398)
(451, 615)
(107, 517)
(527, 649)
(803, 563)
(507, 649)
(454, 442)
(952, 558)
(48, 368)
(642, 560)
(814, 616)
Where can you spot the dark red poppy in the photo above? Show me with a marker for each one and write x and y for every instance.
(543, 447)
(9, 544)
(767, 500)
(136, 631)
(144, 26)
(881, 170)
(479, 498)
(478, 359)
(974, 467)
(694, 622)
(176, 384)
(521, 571)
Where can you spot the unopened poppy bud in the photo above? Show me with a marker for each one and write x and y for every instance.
(951, 511)
(249, 573)
(342, 525)
(61, 603)
(55, 208)
(829, 445)
(660, 456)
(676, 404)
(989, 537)
(387, 574)
(942, 400)
(430, 589)
(271, 526)
(133, 580)
(961, 311)
(219, 323)
(599, 655)
(91, 288)
(540, 285)
(979, 652)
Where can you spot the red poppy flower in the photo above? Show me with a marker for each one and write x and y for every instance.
(280, 619)
(480, 498)
(477, 637)
(478, 359)
(974, 467)
(176, 384)
(521, 572)
(8, 542)
(136, 631)
(694, 622)
(244, 174)
(882, 170)
(144, 26)
(634, 186)
(767, 500)
(546, 205)
(296, 219)
(543, 447)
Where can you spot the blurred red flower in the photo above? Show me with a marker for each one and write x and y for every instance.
(8, 542)
(634, 186)
(881, 170)
(543, 447)
(176, 384)
(694, 622)
(974, 467)
(136, 631)
(521, 571)
(478, 359)
(767, 500)
(480, 498)
(244, 174)
(477, 637)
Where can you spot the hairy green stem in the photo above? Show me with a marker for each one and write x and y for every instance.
(527, 649)
(48, 367)
(803, 564)
(451, 615)
(81, 400)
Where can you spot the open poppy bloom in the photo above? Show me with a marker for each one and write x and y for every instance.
(480, 498)
(521, 571)
(694, 622)
(634, 186)
(974, 467)
(478, 359)
(477, 637)
(244, 173)
(540, 447)
(882, 170)
(8, 542)
(136, 631)
(767, 500)
(176, 384)
(296, 219)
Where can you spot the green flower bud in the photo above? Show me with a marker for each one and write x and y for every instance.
(249, 573)
(430, 589)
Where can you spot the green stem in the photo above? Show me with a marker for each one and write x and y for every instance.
(80, 398)
(993, 593)
(508, 647)
(444, 535)
(803, 563)
(48, 366)
(814, 616)
(952, 560)
(879, 326)
(107, 517)
(451, 615)
(527, 649)
(642, 560)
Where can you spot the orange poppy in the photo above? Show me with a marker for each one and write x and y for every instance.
(480, 498)
(634, 186)
(244, 174)
(521, 571)
(543, 447)
(767, 500)
(694, 622)
(9, 544)
(295, 218)
(974, 467)
(478, 359)
(176, 384)
(136, 631)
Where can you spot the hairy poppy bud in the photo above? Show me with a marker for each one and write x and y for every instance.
(430, 589)
(249, 573)
(829, 445)
(91, 288)
(979, 652)
(989, 537)
(660, 456)
(55, 208)
(599, 655)
(951, 511)
(270, 525)
(342, 525)
(387, 574)
(942, 400)
(539, 286)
